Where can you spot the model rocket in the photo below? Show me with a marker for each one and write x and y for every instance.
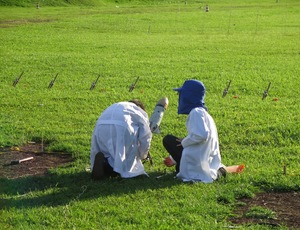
(158, 114)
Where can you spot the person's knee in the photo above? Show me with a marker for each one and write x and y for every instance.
(168, 139)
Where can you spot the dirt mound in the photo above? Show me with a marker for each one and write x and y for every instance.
(284, 206)
(39, 164)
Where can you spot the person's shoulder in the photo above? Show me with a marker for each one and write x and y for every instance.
(123, 103)
(199, 110)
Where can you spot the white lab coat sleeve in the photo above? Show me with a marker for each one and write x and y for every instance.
(144, 138)
(197, 128)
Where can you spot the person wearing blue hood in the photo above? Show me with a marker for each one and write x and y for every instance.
(197, 156)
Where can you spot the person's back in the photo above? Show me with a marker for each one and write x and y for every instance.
(201, 157)
(123, 135)
(197, 157)
(126, 112)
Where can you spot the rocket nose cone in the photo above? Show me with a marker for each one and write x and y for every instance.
(164, 102)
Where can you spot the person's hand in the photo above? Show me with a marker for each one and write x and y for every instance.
(168, 161)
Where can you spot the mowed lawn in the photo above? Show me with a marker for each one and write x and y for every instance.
(254, 44)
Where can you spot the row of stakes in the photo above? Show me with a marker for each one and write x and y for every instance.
(133, 85)
(16, 81)
(265, 94)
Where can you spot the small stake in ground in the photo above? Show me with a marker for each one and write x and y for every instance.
(15, 162)
(206, 8)
(266, 92)
(17, 79)
(52, 82)
(94, 83)
(225, 91)
(133, 84)
(284, 169)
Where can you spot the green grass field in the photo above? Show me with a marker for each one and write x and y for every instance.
(251, 43)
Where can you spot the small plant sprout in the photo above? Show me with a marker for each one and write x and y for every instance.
(260, 213)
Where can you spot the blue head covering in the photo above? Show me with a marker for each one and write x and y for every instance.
(191, 95)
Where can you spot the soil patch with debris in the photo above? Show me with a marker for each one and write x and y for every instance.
(39, 164)
(285, 206)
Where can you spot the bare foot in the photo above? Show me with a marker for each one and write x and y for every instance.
(235, 168)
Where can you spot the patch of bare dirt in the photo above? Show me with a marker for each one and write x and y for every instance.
(39, 164)
(286, 207)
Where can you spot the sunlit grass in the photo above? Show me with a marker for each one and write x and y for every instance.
(251, 43)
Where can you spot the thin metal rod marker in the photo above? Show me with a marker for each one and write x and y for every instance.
(133, 84)
(94, 83)
(18, 79)
(225, 91)
(52, 82)
(266, 92)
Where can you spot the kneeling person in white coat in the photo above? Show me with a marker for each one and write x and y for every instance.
(120, 141)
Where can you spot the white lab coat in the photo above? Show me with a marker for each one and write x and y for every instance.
(123, 135)
(201, 155)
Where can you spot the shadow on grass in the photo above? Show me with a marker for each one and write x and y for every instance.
(60, 189)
